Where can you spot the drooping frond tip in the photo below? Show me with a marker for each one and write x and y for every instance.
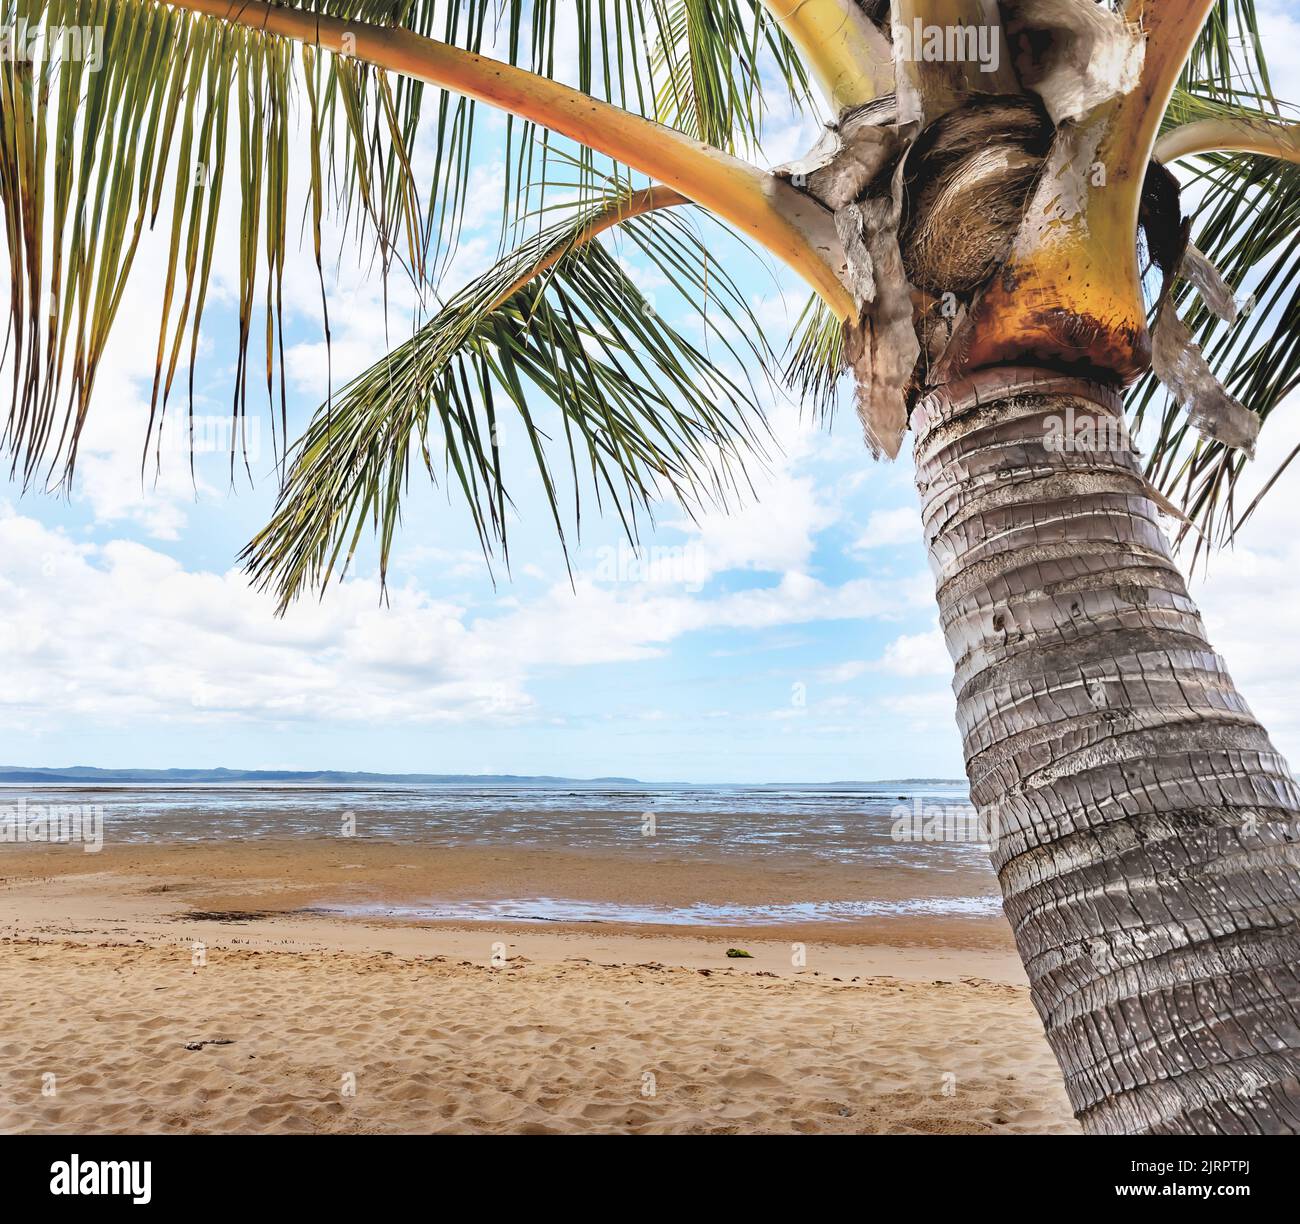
(175, 110)
(645, 412)
(156, 117)
(1246, 224)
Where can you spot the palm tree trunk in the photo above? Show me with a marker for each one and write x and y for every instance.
(1146, 828)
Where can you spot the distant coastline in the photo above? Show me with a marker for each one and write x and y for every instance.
(19, 775)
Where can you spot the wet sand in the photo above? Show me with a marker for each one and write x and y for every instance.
(112, 964)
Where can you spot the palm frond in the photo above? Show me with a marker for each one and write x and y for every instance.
(184, 112)
(695, 65)
(1248, 224)
(816, 362)
(708, 60)
(645, 412)
(148, 122)
(1227, 62)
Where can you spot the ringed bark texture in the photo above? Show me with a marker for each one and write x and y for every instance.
(1146, 827)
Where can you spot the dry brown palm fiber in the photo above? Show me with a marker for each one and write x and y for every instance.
(968, 178)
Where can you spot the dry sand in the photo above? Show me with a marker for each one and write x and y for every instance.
(892, 1025)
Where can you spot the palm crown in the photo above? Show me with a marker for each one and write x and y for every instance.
(189, 93)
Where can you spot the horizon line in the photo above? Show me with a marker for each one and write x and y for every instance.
(13, 775)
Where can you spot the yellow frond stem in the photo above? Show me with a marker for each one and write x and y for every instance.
(1071, 290)
(766, 209)
(1267, 138)
(850, 57)
(635, 204)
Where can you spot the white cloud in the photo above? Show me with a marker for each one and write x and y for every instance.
(604, 624)
(131, 634)
(842, 673)
(916, 654)
(773, 529)
(912, 654)
(887, 528)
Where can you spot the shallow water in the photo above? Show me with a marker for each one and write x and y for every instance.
(553, 909)
(846, 825)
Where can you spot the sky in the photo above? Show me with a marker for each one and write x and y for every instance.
(794, 639)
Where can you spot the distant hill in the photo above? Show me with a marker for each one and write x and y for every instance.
(13, 775)
(331, 777)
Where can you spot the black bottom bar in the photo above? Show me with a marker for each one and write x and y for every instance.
(1201, 1177)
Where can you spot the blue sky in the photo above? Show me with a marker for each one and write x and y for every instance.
(792, 640)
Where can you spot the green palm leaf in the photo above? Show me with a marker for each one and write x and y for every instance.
(708, 61)
(1228, 61)
(92, 153)
(645, 412)
(816, 358)
(184, 107)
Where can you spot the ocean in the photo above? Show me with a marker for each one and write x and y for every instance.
(851, 825)
(844, 825)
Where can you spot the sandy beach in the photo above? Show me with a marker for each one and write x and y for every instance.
(220, 987)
